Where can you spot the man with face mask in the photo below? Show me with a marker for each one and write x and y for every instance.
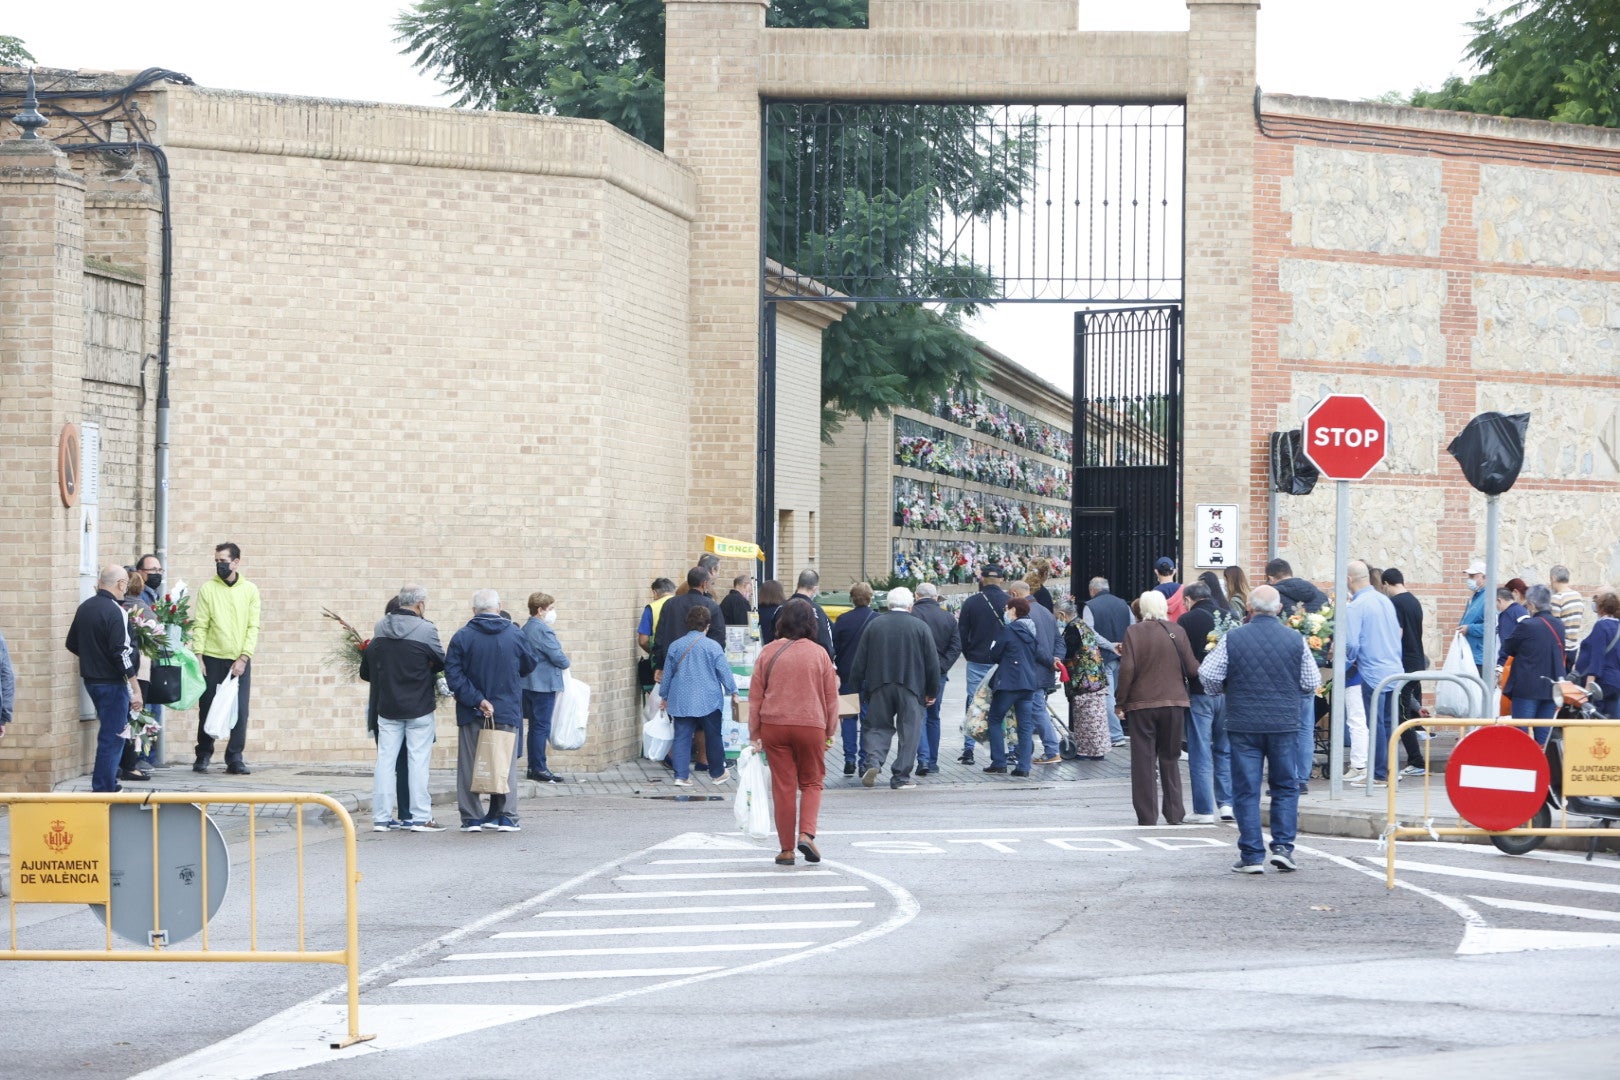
(541, 685)
(226, 633)
(1472, 623)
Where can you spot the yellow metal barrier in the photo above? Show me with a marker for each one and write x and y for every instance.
(348, 956)
(1393, 831)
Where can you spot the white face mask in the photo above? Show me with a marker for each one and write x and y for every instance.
(550, 616)
(1009, 618)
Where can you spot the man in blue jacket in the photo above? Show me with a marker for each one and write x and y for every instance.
(542, 685)
(485, 667)
(980, 621)
(1472, 623)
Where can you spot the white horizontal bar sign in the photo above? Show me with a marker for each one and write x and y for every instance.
(1495, 778)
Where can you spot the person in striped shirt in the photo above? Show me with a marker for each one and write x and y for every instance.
(1568, 605)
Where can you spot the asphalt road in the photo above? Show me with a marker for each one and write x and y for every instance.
(986, 932)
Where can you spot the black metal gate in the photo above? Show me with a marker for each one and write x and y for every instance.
(1127, 445)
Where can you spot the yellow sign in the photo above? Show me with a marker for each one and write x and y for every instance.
(732, 549)
(1592, 760)
(59, 853)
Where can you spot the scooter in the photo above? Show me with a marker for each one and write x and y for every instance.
(1578, 704)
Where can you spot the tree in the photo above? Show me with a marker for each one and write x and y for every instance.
(1541, 60)
(13, 53)
(605, 60)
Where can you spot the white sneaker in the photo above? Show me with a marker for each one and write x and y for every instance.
(683, 783)
(1198, 819)
(1227, 815)
(1354, 776)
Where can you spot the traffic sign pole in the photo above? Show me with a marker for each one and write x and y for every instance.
(1336, 702)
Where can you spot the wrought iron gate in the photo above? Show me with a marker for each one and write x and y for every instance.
(1127, 445)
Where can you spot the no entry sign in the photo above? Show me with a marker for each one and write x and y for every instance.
(1345, 436)
(1497, 778)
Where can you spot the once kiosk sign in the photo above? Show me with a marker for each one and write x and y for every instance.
(59, 853)
(1345, 436)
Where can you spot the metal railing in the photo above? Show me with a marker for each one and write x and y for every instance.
(348, 956)
(1394, 831)
(1473, 684)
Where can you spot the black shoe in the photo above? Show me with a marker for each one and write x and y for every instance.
(1282, 860)
(537, 776)
(923, 770)
(966, 758)
(236, 768)
(134, 774)
(849, 768)
(1019, 772)
(201, 764)
(553, 778)
(995, 768)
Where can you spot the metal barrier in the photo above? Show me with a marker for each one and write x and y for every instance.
(1393, 830)
(348, 956)
(1474, 684)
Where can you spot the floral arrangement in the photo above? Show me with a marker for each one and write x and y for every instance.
(175, 611)
(1225, 623)
(983, 413)
(946, 562)
(151, 638)
(929, 449)
(142, 730)
(350, 648)
(1317, 629)
(920, 505)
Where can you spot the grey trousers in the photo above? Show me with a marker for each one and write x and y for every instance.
(469, 802)
(893, 710)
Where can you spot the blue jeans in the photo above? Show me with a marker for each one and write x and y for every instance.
(1379, 729)
(1276, 752)
(850, 728)
(681, 754)
(537, 709)
(928, 748)
(975, 676)
(112, 710)
(417, 736)
(1305, 746)
(1542, 708)
(1110, 664)
(1209, 760)
(1024, 704)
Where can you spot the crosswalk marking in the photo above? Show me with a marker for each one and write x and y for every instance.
(721, 892)
(554, 976)
(722, 874)
(1549, 909)
(710, 909)
(705, 928)
(634, 950)
(753, 859)
(1492, 875)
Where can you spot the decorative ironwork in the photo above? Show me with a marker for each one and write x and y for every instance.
(970, 203)
(1127, 425)
(29, 121)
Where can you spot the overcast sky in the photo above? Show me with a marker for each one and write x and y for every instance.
(345, 49)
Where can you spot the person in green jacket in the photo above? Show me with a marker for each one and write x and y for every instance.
(226, 633)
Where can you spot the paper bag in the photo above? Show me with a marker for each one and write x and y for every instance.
(492, 763)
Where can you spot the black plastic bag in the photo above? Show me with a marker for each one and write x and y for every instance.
(1491, 450)
(1292, 473)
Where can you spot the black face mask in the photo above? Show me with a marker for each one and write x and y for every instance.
(154, 580)
(223, 569)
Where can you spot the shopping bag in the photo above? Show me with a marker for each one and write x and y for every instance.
(573, 708)
(222, 710)
(1450, 699)
(755, 816)
(192, 681)
(492, 761)
(849, 704)
(658, 733)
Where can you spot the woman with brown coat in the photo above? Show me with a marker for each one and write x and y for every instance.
(1155, 662)
(792, 716)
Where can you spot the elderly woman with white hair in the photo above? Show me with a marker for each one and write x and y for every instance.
(1155, 662)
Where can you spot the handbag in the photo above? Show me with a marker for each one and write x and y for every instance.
(164, 686)
(492, 761)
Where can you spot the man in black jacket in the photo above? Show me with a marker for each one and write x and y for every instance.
(809, 583)
(1293, 590)
(1110, 617)
(672, 619)
(948, 643)
(1209, 762)
(897, 670)
(403, 661)
(739, 601)
(980, 620)
(99, 637)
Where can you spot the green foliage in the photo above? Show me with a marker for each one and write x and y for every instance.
(13, 53)
(879, 230)
(1541, 60)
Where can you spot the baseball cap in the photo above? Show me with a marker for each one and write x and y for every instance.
(1475, 567)
(991, 570)
(1165, 564)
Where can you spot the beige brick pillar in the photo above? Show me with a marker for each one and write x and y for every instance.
(1220, 446)
(41, 359)
(712, 125)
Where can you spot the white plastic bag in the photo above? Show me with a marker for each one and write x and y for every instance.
(222, 710)
(755, 815)
(568, 721)
(658, 733)
(1449, 698)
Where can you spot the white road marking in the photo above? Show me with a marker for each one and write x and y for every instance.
(754, 859)
(1496, 778)
(705, 928)
(1501, 939)
(1493, 875)
(553, 976)
(1020, 829)
(1548, 909)
(722, 874)
(631, 950)
(715, 909)
(1472, 919)
(721, 892)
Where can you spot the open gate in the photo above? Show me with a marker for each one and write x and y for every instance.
(1127, 445)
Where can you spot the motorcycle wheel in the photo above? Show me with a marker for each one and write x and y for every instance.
(1524, 845)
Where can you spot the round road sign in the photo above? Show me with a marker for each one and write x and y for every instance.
(1345, 436)
(1497, 778)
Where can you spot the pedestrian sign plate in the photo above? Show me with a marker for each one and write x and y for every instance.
(1497, 778)
(59, 853)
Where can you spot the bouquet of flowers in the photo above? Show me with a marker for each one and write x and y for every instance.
(350, 647)
(1225, 622)
(175, 611)
(1317, 629)
(142, 730)
(150, 635)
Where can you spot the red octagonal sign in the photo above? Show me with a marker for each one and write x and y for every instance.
(1497, 778)
(1345, 436)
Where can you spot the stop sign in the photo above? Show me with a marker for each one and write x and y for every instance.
(1497, 778)
(1345, 436)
